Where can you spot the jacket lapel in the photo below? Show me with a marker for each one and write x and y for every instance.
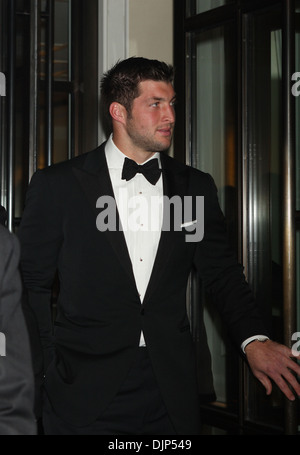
(95, 182)
(175, 184)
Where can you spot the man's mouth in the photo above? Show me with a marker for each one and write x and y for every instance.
(167, 132)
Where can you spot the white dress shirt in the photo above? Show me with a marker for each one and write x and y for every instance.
(140, 209)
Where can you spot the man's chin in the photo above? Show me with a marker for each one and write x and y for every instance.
(163, 146)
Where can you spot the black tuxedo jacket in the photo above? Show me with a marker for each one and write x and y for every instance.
(99, 318)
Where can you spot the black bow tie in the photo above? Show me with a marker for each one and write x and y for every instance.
(150, 170)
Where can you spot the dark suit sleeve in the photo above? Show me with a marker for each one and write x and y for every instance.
(40, 238)
(223, 276)
(16, 376)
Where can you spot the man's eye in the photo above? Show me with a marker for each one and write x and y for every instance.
(155, 104)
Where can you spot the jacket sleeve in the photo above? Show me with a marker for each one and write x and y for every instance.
(40, 236)
(16, 375)
(223, 276)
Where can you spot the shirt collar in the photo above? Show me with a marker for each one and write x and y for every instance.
(115, 158)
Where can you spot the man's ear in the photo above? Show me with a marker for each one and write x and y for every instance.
(118, 112)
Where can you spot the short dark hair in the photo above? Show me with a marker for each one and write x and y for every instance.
(121, 83)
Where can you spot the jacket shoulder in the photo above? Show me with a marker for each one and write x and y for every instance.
(78, 161)
(194, 175)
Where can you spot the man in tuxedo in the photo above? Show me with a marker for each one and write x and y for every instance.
(16, 377)
(119, 357)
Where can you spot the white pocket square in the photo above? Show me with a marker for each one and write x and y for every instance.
(188, 223)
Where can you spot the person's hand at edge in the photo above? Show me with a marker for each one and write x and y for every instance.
(273, 361)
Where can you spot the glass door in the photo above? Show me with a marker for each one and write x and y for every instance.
(297, 101)
(213, 130)
(49, 54)
(263, 228)
(297, 161)
(238, 126)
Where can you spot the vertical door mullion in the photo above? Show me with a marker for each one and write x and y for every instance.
(34, 81)
(289, 185)
(49, 81)
(242, 140)
(73, 75)
(11, 113)
(246, 141)
(3, 45)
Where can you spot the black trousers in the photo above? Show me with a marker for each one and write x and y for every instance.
(137, 409)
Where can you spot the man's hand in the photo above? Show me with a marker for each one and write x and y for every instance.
(273, 361)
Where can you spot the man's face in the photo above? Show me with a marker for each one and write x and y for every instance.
(150, 123)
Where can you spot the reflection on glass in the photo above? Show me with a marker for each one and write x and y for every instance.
(213, 132)
(206, 5)
(61, 45)
(214, 116)
(21, 104)
(60, 129)
(298, 165)
(200, 6)
(60, 97)
(61, 34)
(44, 5)
(23, 5)
(298, 116)
(275, 173)
(298, 280)
(264, 190)
(61, 121)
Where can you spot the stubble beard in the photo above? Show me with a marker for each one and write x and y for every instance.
(147, 143)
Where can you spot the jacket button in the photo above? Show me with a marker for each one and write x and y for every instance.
(142, 311)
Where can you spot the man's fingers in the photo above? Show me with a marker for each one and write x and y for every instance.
(292, 365)
(292, 381)
(266, 383)
(286, 377)
(286, 382)
(284, 385)
(271, 361)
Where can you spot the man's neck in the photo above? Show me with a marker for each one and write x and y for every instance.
(137, 155)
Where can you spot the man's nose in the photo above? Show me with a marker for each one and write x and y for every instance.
(169, 113)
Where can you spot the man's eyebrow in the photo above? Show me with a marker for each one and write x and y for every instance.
(158, 98)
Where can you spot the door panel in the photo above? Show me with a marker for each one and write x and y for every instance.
(234, 75)
(49, 52)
